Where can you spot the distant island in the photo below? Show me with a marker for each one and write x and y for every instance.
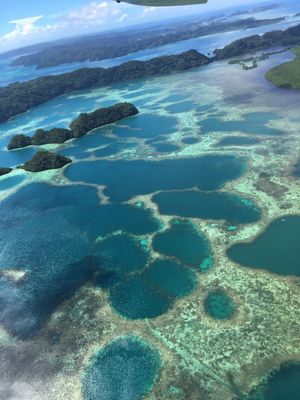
(100, 47)
(251, 44)
(19, 97)
(44, 160)
(256, 10)
(79, 127)
(286, 75)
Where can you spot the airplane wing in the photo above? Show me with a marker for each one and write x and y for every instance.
(163, 3)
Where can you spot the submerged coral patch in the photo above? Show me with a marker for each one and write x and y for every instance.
(219, 305)
(125, 369)
(183, 242)
(211, 205)
(276, 249)
(206, 173)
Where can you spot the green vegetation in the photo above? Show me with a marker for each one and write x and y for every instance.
(19, 141)
(103, 116)
(254, 43)
(286, 75)
(44, 160)
(54, 135)
(103, 46)
(21, 96)
(79, 127)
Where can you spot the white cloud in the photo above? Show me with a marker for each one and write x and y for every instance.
(23, 27)
(95, 13)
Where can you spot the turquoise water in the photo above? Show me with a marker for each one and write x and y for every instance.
(275, 250)
(215, 205)
(183, 242)
(125, 369)
(207, 173)
(219, 305)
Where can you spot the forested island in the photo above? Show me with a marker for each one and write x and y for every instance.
(19, 97)
(100, 47)
(250, 44)
(286, 75)
(79, 127)
(44, 160)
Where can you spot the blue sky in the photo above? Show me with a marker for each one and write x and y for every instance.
(24, 22)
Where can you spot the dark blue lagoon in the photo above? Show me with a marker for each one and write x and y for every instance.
(126, 368)
(152, 293)
(275, 250)
(183, 242)
(211, 205)
(124, 179)
(50, 233)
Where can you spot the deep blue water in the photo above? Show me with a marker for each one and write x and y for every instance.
(212, 205)
(51, 232)
(152, 293)
(125, 369)
(183, 242)
(275, 250)
(206, 173)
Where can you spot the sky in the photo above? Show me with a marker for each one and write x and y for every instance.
(24, 22)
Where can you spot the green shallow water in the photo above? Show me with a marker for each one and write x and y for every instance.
(125, 369)
(219, 305)
(276, 249)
